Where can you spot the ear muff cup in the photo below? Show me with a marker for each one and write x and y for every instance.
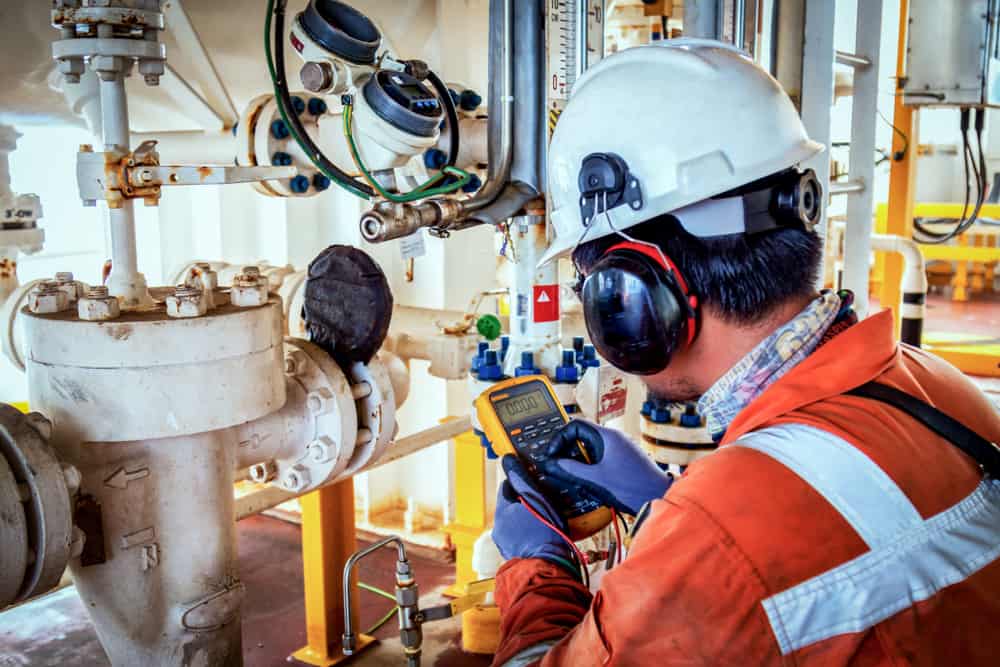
(636, 312)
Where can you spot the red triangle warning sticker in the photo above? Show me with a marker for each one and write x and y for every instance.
(546, 306)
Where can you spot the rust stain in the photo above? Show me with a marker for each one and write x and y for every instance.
(120, 331)
(204, 172)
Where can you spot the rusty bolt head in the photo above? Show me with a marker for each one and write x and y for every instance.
(320, 401)
(263, 472)
(98, 305)
(86, 148)
(47, 297)
(186, 302)
(296, 478)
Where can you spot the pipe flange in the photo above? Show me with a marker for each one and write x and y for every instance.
(376, 408)
(335, 418)
(44, 511)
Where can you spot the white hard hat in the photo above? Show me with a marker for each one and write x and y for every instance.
(688, 118)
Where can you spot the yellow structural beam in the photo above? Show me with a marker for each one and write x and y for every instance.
(328, 540)
(973, 354)
(961, 253)
(902, 176)
(470, 508)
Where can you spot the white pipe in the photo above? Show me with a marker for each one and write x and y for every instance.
(272, 496)
(913, 284)
(125, 280)
(192, 146)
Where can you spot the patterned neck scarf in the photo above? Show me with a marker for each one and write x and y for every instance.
(773, 357)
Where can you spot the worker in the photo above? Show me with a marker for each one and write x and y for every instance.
(830, 527)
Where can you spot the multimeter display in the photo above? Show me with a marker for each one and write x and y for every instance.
(529, 416)
(521, 408)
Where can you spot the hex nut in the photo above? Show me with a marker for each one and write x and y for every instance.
(263, 472)
(186, 302)
(248, 296)
(98, 306)
(47, 298)
(295, 362)
(322, 450)
(296, 478)
(320, 401)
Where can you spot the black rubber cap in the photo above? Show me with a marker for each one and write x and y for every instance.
(342, 30)
(347, 305)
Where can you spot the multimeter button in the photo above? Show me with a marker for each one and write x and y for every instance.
(516, 431)
(530, 427)
(545, 431)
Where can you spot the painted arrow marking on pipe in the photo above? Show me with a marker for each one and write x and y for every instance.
(120, 478)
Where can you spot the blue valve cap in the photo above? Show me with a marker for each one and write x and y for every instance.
(279, 130)
(473, 184)
(435, 158)
(660, 416)
(455, 97)
(490, 368)
(316, 106)
(281, 159)
(469, 100)
(299, 185)
(298, 104)
(321, 182)
(690, 417)
(647, 408)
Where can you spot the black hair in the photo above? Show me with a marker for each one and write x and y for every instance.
(741, 278)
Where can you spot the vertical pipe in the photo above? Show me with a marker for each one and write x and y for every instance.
(125, 281)
(534, 310)
(701, 18)
(864, 112)
(816, 94)
(168, 593)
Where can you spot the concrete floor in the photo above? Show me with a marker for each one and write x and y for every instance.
(54, 631)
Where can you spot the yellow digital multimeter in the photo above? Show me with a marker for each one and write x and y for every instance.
(520, 416)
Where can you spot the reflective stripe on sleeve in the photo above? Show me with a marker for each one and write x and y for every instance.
(908, 562)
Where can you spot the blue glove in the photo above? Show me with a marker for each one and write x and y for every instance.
(518, 533)
(619, 474)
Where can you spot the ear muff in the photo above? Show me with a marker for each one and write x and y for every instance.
(638, 309)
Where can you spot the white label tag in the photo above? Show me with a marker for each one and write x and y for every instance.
(612, 393)
(413, 245)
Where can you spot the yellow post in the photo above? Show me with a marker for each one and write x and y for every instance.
(470, 508)
(902, 176)
(328, 540)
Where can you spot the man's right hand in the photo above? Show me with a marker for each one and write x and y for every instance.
(619, 474)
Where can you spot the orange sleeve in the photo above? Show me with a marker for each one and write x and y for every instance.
(686, 594)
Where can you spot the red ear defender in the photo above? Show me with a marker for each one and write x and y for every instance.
(665, 262)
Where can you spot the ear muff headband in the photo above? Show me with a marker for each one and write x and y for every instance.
(664, 261)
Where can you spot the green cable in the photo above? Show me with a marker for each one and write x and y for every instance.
(420, 192)
(284, 116)
(377, 591)
(388, 615)
(382, 621)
